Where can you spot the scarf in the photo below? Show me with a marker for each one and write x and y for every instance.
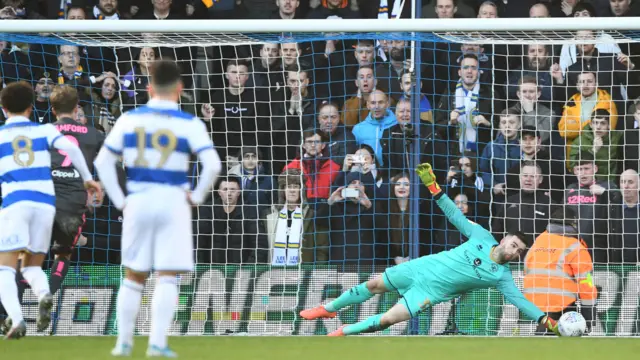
(286, 249)
(98, 15)
(106, 116)
(467, 107)
(248, 177)
(76, 75)
(383, 10)
(342, 5)
(64, 4)
(383, 13)
(16, 48)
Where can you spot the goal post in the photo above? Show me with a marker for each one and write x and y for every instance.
(318, 26)
(260, 84)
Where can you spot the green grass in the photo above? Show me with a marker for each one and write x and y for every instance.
(323, 348)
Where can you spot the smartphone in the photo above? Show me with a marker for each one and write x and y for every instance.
(350, 193)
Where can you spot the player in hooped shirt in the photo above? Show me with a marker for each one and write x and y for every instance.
(156, 142)
(71, 195)
(28, 207)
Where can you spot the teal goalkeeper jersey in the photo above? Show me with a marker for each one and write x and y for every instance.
(469, 266)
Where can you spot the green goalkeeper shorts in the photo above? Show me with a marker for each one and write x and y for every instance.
(411, 284)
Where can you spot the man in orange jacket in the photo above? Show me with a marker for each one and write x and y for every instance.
(558, 270)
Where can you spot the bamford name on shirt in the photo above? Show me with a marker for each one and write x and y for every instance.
(72, 128)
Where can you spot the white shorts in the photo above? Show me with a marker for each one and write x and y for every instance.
(26, 227)
(156, 232)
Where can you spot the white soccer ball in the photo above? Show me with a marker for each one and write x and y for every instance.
(572, 324)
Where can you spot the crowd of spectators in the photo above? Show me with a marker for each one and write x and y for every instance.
(318, 138)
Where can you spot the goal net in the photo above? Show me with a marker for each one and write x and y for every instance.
(320, 134)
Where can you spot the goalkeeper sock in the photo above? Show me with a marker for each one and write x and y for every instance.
(37, 279)
(9, 294)
(371, 324)
(58, 273)
(356, 295)
(128, 305)
(163, 307)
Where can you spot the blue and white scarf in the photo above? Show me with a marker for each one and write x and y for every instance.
(64, 5)
(467, 107)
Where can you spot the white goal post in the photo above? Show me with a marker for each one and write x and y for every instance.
(313, 25)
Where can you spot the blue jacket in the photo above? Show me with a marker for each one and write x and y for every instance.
(498, 157)
(370, 132)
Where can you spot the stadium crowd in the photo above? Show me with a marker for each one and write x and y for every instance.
(318, 138)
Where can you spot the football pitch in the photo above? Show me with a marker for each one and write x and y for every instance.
(323, 348)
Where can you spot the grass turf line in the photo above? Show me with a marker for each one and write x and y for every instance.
(323, 348)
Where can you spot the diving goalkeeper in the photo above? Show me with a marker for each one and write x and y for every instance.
(477, 264)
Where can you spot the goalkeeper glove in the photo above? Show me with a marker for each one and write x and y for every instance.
(550, 324)
(428, 178)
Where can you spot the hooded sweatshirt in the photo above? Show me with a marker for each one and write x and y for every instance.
(370, 132)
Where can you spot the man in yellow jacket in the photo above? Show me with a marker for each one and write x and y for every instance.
(579, 108)
(558, 270)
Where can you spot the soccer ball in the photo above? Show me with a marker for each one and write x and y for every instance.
(572, 324)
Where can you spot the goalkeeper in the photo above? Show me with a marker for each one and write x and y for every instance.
(477, 264)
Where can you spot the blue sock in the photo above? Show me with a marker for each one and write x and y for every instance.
(371, 324)
(356, 295)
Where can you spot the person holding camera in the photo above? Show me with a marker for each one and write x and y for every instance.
(352, 222)
(363, 161)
